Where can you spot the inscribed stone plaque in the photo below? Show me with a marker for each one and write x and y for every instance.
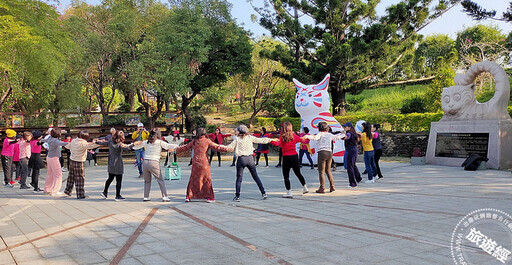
(461, 145)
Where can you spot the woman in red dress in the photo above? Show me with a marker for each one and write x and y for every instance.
(200, 181)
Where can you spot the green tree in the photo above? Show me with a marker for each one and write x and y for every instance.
(229, 50)
(433, 53)
(100, 31)
(478, 13)
(265, 79)
(481, 43)
(168, 57)
(348, 40)
(444, 78)
(33, 54)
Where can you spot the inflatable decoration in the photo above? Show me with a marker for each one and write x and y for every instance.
(312, 102)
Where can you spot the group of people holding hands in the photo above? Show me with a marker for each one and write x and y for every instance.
(148, 147)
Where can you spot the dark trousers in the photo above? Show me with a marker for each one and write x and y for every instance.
(35, 178)
(378, 154)
(280, 156)
(353, 172)
(258, 155)
(291, 162)
(17, 166)
(7, 167)
(24, 171)
(119, 179)
(308, 156)
(211, 156)
(174, 156)
(241, 163)
(68, 155)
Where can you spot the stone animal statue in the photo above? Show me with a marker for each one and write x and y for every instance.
(312, 102)
(459, 102)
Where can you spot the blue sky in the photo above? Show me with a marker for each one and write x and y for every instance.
(450, 23)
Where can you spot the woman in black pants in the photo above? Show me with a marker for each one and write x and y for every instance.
(262, 148)
(242, 144)
(377, 146)
(288, 140)
(115, 163)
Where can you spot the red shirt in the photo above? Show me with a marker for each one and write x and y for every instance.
(220, 137)
(289, 148)
(8, 147)
(34, 147)
(16, 154)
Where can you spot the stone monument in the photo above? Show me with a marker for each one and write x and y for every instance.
(468, 126)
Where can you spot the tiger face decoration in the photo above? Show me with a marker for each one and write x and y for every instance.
(312, 102)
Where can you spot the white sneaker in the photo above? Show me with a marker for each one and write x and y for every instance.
(305, 189)
(166, 199)
(64, 169)
(146, 199)
(369, 181)
(264, 195)
(288, 194)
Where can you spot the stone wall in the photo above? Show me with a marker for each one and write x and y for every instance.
(402, 144)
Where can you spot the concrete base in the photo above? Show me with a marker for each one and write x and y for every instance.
(500, 141)
(417, 160)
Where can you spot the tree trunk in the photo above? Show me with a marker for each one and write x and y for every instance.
(129, 97)
(338, 101)
(185, 102)
(251, 119)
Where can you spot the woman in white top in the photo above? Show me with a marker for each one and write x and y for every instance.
(151, 165)
(324, 140)
(173, 138)
(244, 149)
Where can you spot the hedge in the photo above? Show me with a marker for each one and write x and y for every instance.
(414, 122)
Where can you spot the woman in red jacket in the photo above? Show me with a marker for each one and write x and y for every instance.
(217, 138)
(288, 141)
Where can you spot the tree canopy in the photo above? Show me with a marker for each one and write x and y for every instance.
(349, 40)
(477, 12)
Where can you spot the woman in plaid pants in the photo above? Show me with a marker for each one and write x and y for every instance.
(76, 177)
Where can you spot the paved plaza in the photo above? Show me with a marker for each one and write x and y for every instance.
(406, 218)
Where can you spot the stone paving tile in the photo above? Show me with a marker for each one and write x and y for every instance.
(407, 199)
(6, 258)
(130, 261)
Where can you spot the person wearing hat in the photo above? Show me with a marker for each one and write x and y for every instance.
(217, 138)
(141, 134)
(35, 163)
(351, 138)
(7, 155)
(243, 147)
